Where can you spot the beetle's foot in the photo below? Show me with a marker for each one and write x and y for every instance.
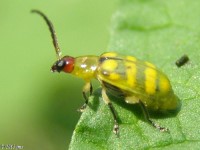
(161, 129)
(82, 108)
(116, 129)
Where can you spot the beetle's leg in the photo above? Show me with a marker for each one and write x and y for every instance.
(87, 88)
(147, 117)
(91, 89)
(107, 101)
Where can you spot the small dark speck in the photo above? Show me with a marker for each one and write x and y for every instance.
(182, 61)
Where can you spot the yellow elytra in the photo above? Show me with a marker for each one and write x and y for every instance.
(135, 80)
(139, 79)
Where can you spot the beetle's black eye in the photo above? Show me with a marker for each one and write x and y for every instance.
(58, 66)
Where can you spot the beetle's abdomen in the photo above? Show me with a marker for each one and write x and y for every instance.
(137, 78)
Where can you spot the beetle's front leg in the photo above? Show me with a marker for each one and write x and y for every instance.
(87, 88)
(107, 101)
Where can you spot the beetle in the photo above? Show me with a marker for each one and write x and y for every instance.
(135, 80)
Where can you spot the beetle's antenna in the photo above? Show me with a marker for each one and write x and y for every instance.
(53, 33)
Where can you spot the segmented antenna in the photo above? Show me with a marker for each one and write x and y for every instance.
(53, 33)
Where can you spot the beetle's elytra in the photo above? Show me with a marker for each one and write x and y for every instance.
(137, 81)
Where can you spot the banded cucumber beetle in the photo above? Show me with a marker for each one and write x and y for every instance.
(137, 81)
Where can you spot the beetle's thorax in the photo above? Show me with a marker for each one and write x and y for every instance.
(85, 67)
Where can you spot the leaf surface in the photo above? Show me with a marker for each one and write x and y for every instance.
(159, 32)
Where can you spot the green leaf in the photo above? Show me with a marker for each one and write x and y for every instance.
(159, 32)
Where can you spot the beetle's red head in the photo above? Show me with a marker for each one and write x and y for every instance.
(65, 64)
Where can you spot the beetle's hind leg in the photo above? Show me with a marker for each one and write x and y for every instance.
(146, 114)
(87, 88)
(107, 101)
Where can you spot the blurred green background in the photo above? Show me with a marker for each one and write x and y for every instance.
(37, 107)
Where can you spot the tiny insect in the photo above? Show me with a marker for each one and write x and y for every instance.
(182, 61)
(125, 76)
